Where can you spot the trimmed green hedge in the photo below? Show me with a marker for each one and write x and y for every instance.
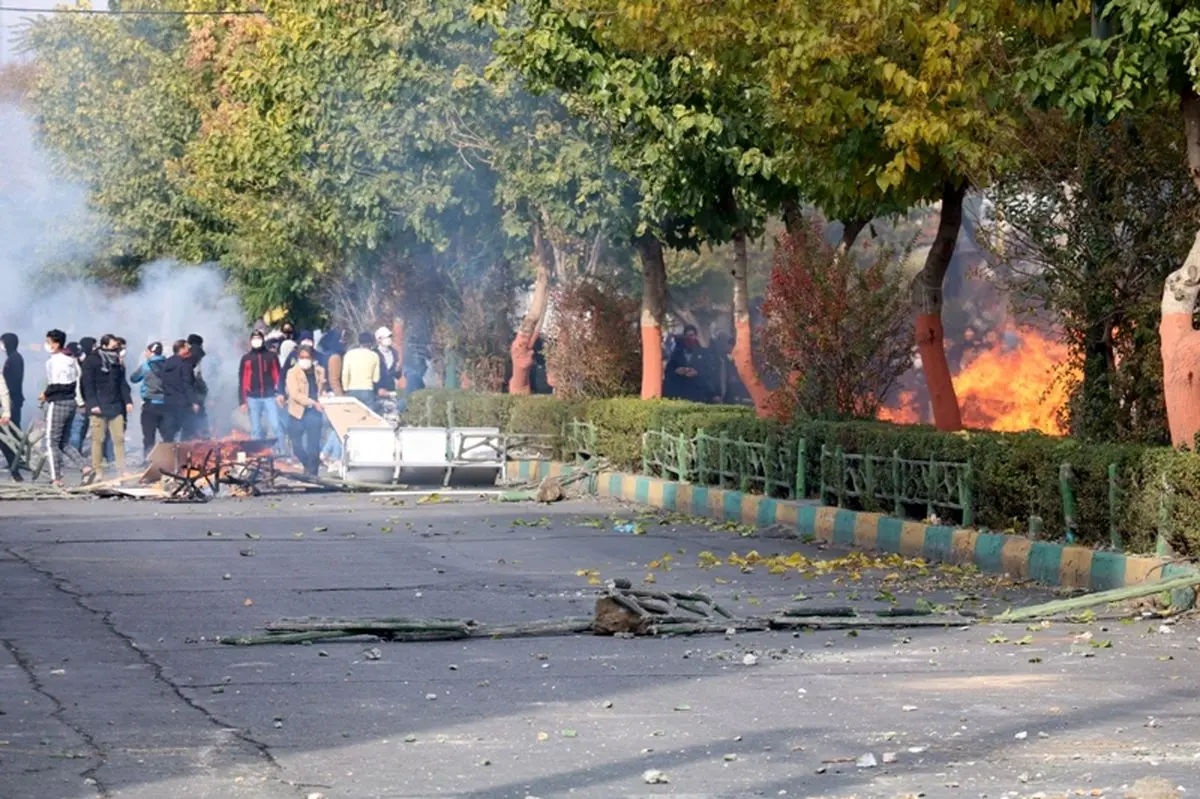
(1016, 476)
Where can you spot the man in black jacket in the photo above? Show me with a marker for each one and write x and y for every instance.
(107, 399)
(14, 379)
(180, 401)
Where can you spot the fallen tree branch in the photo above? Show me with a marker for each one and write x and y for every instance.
(1098, 598)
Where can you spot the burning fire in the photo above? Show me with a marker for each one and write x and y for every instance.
(1010, 385)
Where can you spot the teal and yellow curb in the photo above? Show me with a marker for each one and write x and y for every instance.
(1019, 557)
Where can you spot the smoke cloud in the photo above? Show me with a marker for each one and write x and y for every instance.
(47, 232)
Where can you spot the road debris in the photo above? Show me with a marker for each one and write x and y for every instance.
(654, 777)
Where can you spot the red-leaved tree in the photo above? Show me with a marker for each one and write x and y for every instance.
(593, 347)
(837, 332)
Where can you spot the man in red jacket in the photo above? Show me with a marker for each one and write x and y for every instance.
(258, 383)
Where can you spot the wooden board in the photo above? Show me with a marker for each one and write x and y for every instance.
(346, 412)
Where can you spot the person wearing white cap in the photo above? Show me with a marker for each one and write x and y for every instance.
(389, 361)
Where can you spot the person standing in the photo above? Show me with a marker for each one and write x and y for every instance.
(360, 371)
(106, 392)
(334, 352)
(305, 384)
(389, 362)
(14, 380)
(258, 384)
(197, 424)
(79, 424)
(62, 381)
(180, 401)
(287, 341)
(149, 374)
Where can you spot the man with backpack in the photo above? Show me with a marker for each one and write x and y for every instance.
(149, 374)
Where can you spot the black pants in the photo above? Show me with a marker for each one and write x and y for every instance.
(195, 426)
(174, 422)
(154, 424)
(9, 455)
(305, 433)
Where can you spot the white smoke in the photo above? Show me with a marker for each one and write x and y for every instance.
(47, 232)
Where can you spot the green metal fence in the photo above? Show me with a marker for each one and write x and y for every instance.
(669, 455)
(768, 468)
(895, 485)
(581, 440)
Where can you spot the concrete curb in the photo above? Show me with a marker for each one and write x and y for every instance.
(1014, 555)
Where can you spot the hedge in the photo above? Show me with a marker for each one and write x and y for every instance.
(1015, 476)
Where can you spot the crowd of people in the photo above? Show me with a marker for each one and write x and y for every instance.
(87, 397)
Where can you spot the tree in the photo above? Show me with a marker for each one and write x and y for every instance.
(1149, 63)
(836, 333)
(111, 98)
(1088, 228)
(874, 107)
(683, 133)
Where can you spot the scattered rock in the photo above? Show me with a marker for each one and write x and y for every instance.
(606, 704)
(654, 777)
(1153, 788)
(890, 757)
(729, 758)
(866, 761)
(431, 697)
(1021, 736)
(410, 739)
(909, 708)
(373, 653)
(550, 490)
(750, 659)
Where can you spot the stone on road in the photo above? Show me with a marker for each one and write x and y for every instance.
(112, 685)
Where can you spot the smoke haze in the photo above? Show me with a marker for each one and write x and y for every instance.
(47, 232)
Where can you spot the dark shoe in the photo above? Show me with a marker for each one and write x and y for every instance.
(17, 478)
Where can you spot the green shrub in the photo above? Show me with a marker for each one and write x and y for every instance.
(1015, 476)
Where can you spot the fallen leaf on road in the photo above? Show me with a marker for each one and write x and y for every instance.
(543, 736)
(248, 602)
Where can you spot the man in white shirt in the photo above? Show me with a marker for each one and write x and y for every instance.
(62, 380)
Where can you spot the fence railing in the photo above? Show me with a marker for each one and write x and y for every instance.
(581, 440)
(767, 468)
(895, 485)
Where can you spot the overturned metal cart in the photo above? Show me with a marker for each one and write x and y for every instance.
(376, 451)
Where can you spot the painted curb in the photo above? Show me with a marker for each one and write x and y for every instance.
(1019, 557)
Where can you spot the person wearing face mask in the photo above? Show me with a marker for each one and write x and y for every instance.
(287, 342)
(289, 362)
(79, 425)
(58, 398)
(258, 384)
(389, 362)
(305, 385)
(180, 401)
(106, 393)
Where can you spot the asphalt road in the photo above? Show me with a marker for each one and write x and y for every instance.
(111, 684)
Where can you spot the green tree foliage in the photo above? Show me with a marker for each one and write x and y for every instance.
(112, 100)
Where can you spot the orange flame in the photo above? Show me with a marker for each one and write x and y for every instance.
(1010, 386)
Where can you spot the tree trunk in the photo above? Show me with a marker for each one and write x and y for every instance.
(793, 217)
(851, 229)
(743, 349)
(927, 296)
(654, 312)
(531, 324)
(1180, 342)
(398, 346)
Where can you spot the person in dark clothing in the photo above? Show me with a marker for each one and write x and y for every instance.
(14, 380)
(196, 425)
(79, 425)
(149, 375)
(258, 385)
(180, 401)
(689, 376)
(107, 399)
